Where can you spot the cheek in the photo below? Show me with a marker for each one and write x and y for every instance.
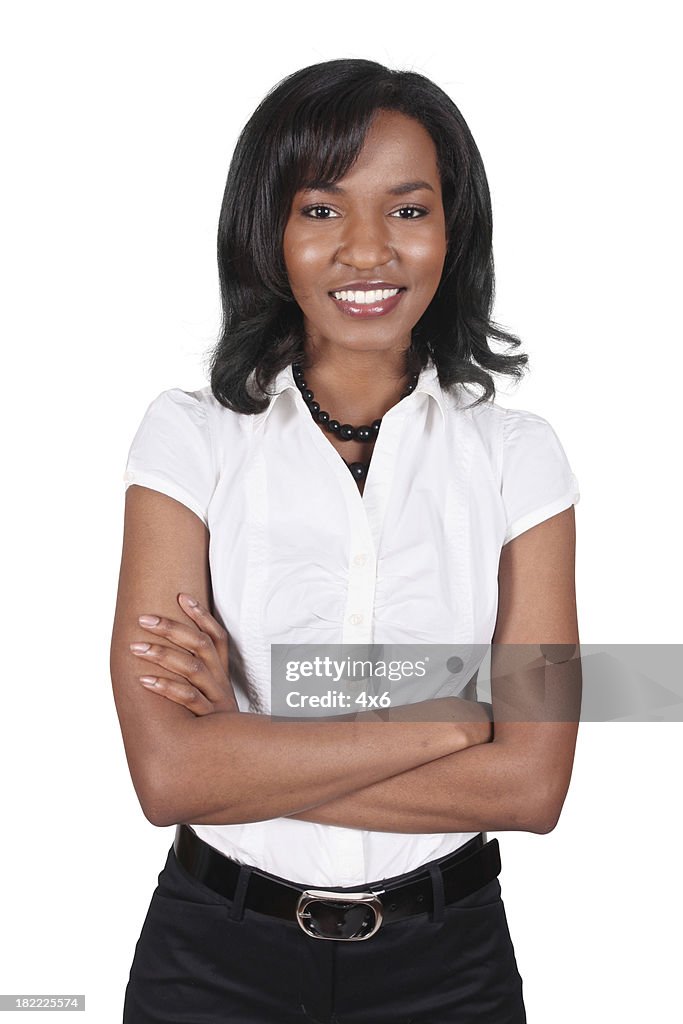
(302, 259)
(431, 256)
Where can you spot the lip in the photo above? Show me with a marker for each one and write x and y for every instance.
(366, 311)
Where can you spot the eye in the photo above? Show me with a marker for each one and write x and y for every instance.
(319, 212)
(410, 212)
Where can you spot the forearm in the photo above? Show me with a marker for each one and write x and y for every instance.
(229, 768)
(481, 788)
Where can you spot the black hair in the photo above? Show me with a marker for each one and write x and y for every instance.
(312, 126)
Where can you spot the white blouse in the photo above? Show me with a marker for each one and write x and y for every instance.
(299, 556)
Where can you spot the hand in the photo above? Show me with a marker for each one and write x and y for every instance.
(472, 717)
(198, 654)
(476, 719)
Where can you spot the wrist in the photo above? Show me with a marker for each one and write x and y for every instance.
(478, 731)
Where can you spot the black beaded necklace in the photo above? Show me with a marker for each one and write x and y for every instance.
(344, 431)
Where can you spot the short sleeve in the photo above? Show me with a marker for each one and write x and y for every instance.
(172, 452)
(537, 480)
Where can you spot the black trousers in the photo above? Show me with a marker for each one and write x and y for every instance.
(204, 959)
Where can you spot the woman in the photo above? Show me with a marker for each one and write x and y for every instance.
(334, 486)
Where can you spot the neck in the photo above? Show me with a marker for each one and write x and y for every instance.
(356, 387)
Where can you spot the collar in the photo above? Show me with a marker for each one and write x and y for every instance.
(428, 382)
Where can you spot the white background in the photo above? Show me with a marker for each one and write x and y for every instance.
(118, 125)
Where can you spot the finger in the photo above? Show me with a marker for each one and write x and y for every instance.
(203, 669)
(207, 623)
(182, 663)
(187, 638)
(180, 693)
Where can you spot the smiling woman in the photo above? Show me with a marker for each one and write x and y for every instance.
(340, 237)
(364, 263)
(356, 276)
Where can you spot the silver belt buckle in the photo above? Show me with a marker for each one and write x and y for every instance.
(330, 915)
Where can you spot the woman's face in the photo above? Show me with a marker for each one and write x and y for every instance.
(364, 256)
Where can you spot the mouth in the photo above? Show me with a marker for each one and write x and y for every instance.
(370, 302)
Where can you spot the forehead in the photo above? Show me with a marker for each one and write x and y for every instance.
(397, 148)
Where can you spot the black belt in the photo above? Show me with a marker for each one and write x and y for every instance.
(334, 913)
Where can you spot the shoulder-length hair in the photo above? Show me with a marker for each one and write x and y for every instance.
(312, 126)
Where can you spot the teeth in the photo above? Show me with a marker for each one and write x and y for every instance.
(366, 298)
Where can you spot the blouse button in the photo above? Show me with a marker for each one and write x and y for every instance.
(356, 620)
(360, 560)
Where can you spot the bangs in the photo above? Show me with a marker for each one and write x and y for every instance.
(324, 140)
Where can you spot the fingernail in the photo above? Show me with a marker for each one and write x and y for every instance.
(140, 648)
(148, 680)
(189, 600)
(149, 620)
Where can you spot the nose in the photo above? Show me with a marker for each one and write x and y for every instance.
(365, 243)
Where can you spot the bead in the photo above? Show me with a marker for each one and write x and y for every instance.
(346, 431)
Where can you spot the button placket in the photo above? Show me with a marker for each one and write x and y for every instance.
(360, 596)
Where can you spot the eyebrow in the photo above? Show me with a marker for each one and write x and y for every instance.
(398, 190)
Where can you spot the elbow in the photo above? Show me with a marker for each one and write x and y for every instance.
(544, 817)
(542, 824)
(158, 815)
(156, 806)
(164, 805)
(157, 795)
(168, 784)
(542, 811)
